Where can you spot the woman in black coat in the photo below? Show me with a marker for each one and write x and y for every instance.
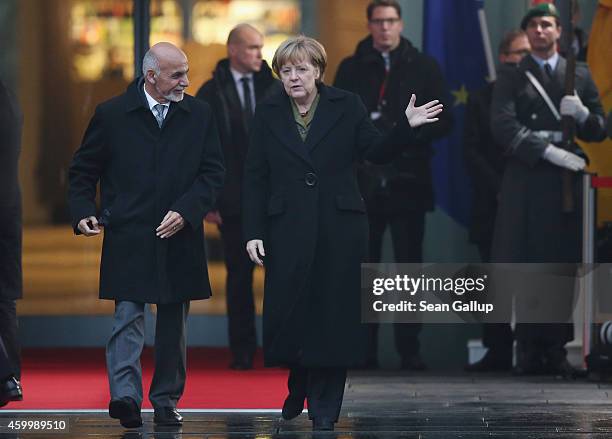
(301, 201)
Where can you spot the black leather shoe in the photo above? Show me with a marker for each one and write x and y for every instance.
(127, 411)
(293, 406)
(242, 362)
(10, 390)
(491, 362)
(167, 416)
(322, 424)
(528, 360)
(413, 362)
(562, 369)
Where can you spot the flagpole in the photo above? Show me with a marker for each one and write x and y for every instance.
(486, 43)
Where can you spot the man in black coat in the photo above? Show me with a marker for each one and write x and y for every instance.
(155, 151)
(239, 82)
(385, 70)
(485, 163)
(533, 224)
(11, 121)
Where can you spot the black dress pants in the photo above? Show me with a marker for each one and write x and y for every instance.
(323, 389)
(239, 289)
(407, 231)
(10, 363)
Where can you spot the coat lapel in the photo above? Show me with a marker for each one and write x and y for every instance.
(529, 64)
(174, 107)
(282, 124)
(325, 117)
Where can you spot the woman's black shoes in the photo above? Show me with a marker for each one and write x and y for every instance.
(322, 424)
(293, 406)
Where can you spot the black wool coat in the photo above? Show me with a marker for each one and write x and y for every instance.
(405, 184)
(221, 94)
(302, 199)
(144, 172)
(530, 225)
(11, 121)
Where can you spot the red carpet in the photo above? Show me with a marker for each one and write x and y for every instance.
(76, 379)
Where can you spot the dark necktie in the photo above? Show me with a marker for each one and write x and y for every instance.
(548, 73)
(248, 102)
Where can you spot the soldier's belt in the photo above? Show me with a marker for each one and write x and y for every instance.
(550, 136)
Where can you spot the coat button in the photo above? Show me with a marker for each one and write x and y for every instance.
(310, 179)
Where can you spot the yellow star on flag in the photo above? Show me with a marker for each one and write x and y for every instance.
(461, 95)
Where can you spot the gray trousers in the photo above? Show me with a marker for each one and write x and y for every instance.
(125, 346)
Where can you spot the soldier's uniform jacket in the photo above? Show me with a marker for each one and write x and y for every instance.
(530, 224)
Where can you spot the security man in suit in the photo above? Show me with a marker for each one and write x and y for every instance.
(239, 82)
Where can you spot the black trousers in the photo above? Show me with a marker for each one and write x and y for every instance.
(323, 389)
(239, 289)
(10, 363)
(407, 231)
(497, 337)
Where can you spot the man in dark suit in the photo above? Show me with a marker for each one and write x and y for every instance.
(533, 224)
(11, 121)
(239, 82)
(485, 163)
(385, 69)
(155, 151)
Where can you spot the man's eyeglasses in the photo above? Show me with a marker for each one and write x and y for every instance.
(521, 52)
(381, 21)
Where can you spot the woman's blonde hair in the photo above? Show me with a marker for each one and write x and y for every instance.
(299, 49)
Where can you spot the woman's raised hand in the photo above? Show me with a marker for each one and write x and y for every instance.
(426, 113)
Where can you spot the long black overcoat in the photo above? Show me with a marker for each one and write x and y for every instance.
(530, 226)
(303, 201)
(144, 172)
(11, 121)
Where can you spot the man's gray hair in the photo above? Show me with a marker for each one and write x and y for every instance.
(150, 62)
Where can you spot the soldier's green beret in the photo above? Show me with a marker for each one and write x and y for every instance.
(540, 10)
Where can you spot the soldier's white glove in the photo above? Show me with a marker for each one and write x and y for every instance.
(565, 159)
(573, 106)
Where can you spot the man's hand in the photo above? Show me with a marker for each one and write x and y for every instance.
(573, 106)
(172, 223)
(426, 113)
(255, 248)
(214, 217)
(565, 159)
(89, 226)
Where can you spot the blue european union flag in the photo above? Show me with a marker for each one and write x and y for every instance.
(452, 35)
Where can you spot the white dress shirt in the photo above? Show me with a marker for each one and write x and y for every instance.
(152, 103)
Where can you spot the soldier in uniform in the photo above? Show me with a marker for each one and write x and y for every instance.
(531, 224)
(485, 162)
